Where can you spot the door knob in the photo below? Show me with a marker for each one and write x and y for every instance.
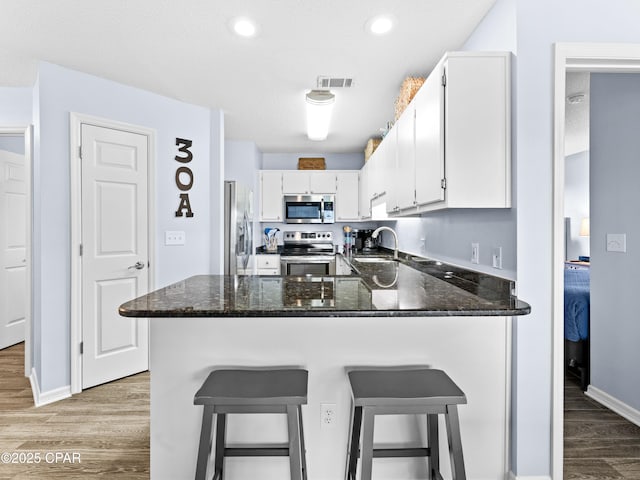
(137, 266)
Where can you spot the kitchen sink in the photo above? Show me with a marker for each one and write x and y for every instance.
(373, 260)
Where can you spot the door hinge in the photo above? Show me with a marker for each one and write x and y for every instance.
(81, 348)
(444, 79)
(443, 183)
(80, 152)
(80, 249)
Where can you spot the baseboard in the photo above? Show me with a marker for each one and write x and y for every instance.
(614, 404)
(513, 476)
(43, 398)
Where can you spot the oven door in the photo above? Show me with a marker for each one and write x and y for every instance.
(303, 209)
(314, 265)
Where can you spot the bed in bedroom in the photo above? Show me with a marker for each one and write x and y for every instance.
(576, 323)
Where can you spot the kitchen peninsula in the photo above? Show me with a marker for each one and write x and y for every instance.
(408, 312)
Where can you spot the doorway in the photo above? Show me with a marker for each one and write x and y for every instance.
(112, 211)
(604, 58)
(15, 244)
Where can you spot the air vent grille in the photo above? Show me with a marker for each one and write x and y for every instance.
(334, 82)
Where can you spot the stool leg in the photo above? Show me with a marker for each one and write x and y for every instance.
(205, 443)
(455, 443)
(303, 448)
(433, 445)
(366, 456)
(294, 442)
(354, 442)
(221, 429)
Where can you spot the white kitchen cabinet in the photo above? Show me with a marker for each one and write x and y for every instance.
(347, 196)
(451, 147)
(271, 209)
(308, 182)
(428, 140)
(268, 264)
(477, 130)
(405, 178)
(363, 192)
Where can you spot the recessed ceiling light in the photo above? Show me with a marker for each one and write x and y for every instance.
(380, 25)
(244, 27)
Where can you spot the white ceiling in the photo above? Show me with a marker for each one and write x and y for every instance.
(185, 50)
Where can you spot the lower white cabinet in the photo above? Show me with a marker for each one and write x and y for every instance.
(268, 264)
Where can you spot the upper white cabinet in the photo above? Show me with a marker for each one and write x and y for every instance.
(308, 182)
(344, 184)
(347, 196)
(477, 130)
(428, 114)
(271, 207)
(451, 147)
(363, 192)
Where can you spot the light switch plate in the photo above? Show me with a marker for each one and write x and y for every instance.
(617, 242)
(174, 238)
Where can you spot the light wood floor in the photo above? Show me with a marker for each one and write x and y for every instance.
(108, 426)
(598, 443)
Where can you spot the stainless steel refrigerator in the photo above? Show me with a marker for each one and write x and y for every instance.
(238, 228)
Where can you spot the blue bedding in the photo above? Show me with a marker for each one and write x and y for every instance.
(576, 304)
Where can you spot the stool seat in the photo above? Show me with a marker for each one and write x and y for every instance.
(403, 391)
(254, 387)
(404, 387)
(247, 391)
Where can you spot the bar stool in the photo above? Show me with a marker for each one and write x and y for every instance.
(403, 391)
(252, 391)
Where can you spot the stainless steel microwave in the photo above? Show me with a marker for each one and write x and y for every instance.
(309, 208)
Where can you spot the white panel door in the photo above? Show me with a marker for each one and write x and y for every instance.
(115, 252)
(13, 231)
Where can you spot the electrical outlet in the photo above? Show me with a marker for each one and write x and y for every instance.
(327, 415)
(497, 257)
(475, 253)
(423, 245)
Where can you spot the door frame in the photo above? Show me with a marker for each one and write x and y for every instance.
(75, 122)
(27, 133)
(573, 57)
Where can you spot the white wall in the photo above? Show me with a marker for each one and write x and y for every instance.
(576, 202)
(15, 106)
(58, 92)
(615, 170)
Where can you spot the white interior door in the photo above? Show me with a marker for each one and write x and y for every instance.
(114, 252)
(13, 254)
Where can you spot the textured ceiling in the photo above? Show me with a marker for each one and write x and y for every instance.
(185, 50)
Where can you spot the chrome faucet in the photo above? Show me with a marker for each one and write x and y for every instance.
(395, 238)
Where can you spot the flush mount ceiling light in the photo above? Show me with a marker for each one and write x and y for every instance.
(380, 25)
(243, 27)
(319, 108)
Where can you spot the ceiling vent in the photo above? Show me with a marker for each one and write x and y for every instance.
(334, 82)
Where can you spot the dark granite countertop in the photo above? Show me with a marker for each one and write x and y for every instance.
(409, 287)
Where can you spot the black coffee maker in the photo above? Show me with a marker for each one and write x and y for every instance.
(364, 241)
